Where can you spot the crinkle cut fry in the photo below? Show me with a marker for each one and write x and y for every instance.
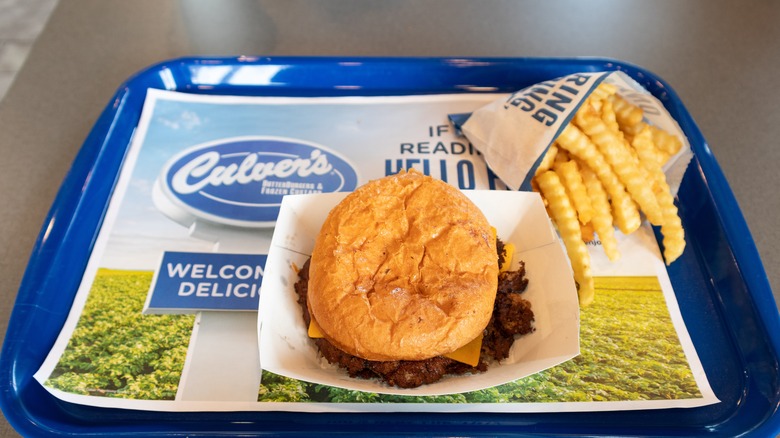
(569, 228)
(671, 229)
(602, 218)
(623, 164)
(624, 210)
(627, 114)
(548, 159)
(609, 117)
(570, 176)
(666, 142)
(603, 91)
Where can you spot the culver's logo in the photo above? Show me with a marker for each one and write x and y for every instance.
(241, 181)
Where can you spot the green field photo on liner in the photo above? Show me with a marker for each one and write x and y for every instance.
(629, 351)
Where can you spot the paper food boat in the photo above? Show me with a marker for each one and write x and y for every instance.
(519, 218)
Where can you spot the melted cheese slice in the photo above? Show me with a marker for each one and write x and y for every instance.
(469, 353)
(314, 330)
(509, 252)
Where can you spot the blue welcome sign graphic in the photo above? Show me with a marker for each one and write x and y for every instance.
(187, 282)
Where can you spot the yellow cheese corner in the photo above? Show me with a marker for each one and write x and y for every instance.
(509, 252)
(314, 330)
(469, 353)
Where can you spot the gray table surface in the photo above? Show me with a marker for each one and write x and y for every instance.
(721, 57)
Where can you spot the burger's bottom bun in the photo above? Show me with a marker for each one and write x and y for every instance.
(404, 268)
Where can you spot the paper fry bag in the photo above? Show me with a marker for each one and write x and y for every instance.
(514, 133)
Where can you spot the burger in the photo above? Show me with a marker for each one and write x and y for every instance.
(405, 284)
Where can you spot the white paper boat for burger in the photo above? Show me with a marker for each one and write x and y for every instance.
(519, 218)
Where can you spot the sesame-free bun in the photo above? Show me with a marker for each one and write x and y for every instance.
(404, 268)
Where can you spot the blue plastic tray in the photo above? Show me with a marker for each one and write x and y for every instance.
(723, 292)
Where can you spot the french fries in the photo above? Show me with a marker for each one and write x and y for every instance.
(627, 115)
(602, 172)
(602, 216)
(624, 209)
(671, 228)
(575, 188)
(619, 157)
(569, 227)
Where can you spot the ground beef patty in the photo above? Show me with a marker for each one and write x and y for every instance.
(512, 315)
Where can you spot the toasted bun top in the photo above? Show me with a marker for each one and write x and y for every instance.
(404, 268)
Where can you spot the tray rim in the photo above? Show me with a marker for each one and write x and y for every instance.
(736, 230)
